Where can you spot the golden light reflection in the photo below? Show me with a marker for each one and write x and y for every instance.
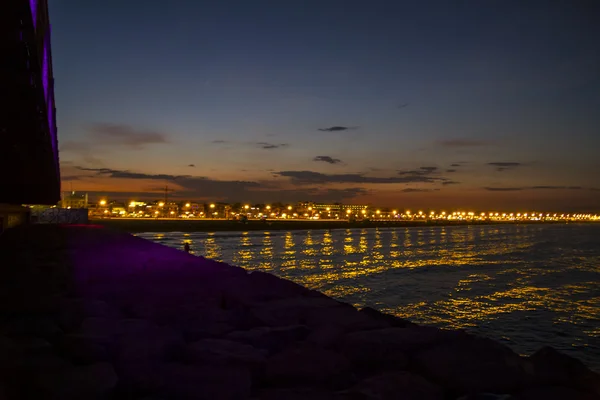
(212, 249)
(244, 254)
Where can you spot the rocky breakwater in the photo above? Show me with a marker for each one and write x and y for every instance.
(88, 313)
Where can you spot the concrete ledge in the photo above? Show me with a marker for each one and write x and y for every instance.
(89, 313)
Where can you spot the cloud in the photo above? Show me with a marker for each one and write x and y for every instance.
(192, 165)
(336, 129)
(413, 190)
(125, 135)
(421, 171)
(455, 165)
(70, 178)
(555, 187)
(198, 186)
(219, 141)
(515, 189)
(270, 146)
(503, 166)
(450, 171)
(463, 142)
(446, 183)
(503, 189)
(311, 177)
(327, 159)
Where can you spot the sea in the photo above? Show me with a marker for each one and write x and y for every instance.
(527, 286)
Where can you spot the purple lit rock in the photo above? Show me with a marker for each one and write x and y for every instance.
(554, 368)
(555, 393)
(307, 365)
(96, 381)
(396, 386)
(226, 353)
(474, 365)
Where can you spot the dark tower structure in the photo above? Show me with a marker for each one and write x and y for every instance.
(29, 169)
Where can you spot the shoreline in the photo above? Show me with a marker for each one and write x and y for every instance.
(103, 314)
(177, 225)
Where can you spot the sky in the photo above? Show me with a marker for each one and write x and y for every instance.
(429, 104)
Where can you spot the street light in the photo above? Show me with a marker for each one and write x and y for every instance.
(102, 202)
(161, 204)
(187, 204)
(289, 207)
(212, 206)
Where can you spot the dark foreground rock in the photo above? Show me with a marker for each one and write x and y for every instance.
(87, 313)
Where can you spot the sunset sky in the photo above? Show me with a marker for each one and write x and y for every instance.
(398, 103)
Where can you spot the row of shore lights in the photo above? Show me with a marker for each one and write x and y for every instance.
(420, 213)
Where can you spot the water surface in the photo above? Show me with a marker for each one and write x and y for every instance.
(526, 285)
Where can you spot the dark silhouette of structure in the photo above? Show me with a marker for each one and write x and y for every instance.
(29, 169)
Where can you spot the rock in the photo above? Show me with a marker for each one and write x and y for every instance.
(225, 352)
(271, 339)
(389, 348)
(176, 381)
(555, 393)
(299, 394)
(260, 286)
(346, 317)
(326, 336)
(38, 326)
(554, 368)
(291, 310)
(391, 320)
(196, 330)
(99, 327)
(153, 344)
(73, 311)
(396, 386)
(473, 365)
(85, 382)
(82, 349)
(487, 396)
(306, 365)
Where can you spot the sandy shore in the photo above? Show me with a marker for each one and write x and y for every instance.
(179, 225)
(90, 313)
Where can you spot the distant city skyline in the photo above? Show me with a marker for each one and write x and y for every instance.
(426, 104)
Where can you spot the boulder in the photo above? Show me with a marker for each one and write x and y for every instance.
(153, 344)
(271, 339)
(225, 352)
(472, 365)
(555, 393)
(391, 320)
(291, 310)
(551, 367)
(299, 394)
(83, 349)
(176, 381)
(326, 336)
(396, 386)
(84, 382)
(389, 348)
(306, 365)
(346, 317)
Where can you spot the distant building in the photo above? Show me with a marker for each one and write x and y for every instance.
(74, 200)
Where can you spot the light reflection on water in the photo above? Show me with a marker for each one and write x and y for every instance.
(528, 285)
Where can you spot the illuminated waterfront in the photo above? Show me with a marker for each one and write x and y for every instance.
(528, 285)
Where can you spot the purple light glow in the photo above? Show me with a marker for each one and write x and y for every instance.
(49, 96)
(45, 71)
(33, 6)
